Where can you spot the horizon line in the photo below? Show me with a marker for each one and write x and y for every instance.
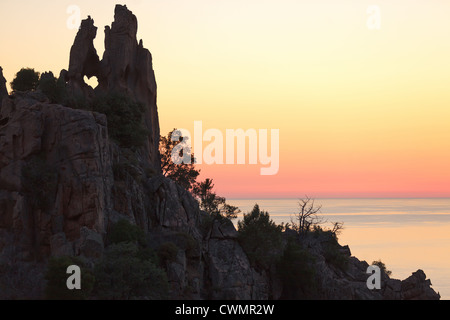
(348, 198)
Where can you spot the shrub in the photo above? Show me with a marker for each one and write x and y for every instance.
(213, 204)
(124, 231)
(167, 252)
(57, 276)
(55, 89)
(333, 254)
(47, 84)
(260, 237)
(125, 118)
(297, 273)
(382, 267)
(122, 274)
(26, 80)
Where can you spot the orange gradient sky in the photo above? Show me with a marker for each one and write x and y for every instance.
(361, 113)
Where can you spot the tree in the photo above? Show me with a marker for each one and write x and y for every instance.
(26, 80)
(184, 174)
(382, 267)
(212, 203)
(260, 237)
(306, 218)
(337, 228)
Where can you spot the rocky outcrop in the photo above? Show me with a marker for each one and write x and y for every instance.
(418, 287)
(126, 67)
(350, 282)
(3, 90)
(84, 60)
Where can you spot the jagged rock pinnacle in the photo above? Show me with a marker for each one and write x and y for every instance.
(126, 67)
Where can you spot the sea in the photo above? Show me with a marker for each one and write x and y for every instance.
(405, 234)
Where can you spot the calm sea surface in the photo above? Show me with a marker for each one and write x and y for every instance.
(406, 234)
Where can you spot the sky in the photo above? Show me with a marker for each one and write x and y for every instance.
(361, 111)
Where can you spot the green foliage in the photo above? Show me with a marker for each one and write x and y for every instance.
(47, 84)
(124, 231)
(125, 119)
(333, 254)
(260, 237)
(56, 276)
(40, 181)
(26, 80)
(167, 252)
(55, 90)
(382, 267)
(296, 271)
(125, 274)
(213, 204)
(184, 174)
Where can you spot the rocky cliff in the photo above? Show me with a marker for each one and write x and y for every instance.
(3, 90)
(64, 183)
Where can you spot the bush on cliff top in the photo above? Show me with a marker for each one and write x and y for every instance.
(260, 237)
(125, 118)
(26, 80)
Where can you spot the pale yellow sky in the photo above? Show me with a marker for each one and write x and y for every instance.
(359, 111)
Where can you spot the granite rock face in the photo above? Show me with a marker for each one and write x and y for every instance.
(3, 90)
(72, 146)
(84, 60)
